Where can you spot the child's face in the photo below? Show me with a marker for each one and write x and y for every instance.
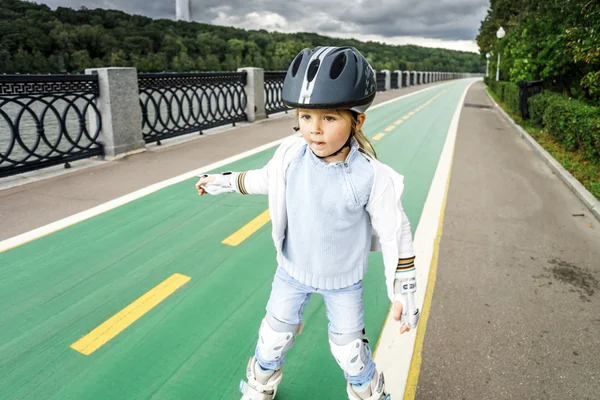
(325, 131)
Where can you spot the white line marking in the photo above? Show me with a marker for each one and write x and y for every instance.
(394, 352)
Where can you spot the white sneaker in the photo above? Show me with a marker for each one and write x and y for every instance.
(260, 385)
(375, 390)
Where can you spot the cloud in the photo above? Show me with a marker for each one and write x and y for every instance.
(449, 24)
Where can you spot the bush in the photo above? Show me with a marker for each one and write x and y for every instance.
(508, 92)
(511, 96)
(537, 104)
(573, 124)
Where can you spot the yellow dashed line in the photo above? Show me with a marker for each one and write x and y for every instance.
(398, 122)
(378, 136)
(389, 128)
(246, 231)
(127, 316)
(406, 117)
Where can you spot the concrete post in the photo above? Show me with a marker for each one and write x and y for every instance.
(255, 93)
(120, 112)
(388, 79)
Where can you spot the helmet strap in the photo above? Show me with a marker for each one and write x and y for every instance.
(347, 144)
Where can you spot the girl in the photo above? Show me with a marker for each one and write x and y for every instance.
(331, 202)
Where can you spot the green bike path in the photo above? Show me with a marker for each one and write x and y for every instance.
(194, 344)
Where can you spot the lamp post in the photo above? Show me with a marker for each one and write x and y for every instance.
(487, 67)
(500, 34)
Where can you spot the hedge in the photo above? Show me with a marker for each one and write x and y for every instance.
(508, 92)
(574, 124)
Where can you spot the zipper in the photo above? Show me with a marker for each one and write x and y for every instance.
(347, 177)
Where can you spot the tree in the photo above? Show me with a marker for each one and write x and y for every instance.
(40, 39)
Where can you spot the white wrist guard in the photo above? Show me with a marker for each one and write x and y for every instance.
(221, 184)
(404, 292)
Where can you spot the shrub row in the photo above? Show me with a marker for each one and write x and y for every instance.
(573, 124)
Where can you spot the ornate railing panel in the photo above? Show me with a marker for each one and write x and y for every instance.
(394, 80)
(273, 88)
(175, 104)
(380, 81)
(47, 120)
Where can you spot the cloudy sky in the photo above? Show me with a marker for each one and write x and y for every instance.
(451, 24)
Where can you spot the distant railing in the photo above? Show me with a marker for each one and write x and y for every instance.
(47, 120)
(175, 104)
(394, 81)
(380, 78)
(526, 90)
(273, 95)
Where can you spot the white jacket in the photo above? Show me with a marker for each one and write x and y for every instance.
(391, 227)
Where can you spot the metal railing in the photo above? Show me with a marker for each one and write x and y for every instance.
(526, 90)
(175, 104)
(273, 94)
(380, 78)
(52, 119)
(394, 80)
(47, 120)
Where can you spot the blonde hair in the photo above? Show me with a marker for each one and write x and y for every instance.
(365, 146)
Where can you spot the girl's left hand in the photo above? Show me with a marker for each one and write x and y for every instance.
(396, 314)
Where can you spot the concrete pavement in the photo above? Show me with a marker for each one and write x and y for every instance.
(515, 305)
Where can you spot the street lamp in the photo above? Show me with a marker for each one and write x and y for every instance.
(487, 67)
(500, 34)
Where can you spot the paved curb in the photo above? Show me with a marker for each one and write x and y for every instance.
(576, 187)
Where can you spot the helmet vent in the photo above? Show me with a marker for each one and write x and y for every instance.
(337, 66)
(297, 64)
(312, 69)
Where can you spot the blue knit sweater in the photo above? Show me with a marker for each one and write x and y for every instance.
(328, 232)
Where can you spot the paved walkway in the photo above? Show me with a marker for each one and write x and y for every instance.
(515, 311)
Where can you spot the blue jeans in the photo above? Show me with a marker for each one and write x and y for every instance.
(343, 307)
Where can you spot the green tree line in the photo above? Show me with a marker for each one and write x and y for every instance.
(554, 40)
(36, 39)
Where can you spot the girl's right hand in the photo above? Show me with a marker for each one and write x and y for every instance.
(204, 179)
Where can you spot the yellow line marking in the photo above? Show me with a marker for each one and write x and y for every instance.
(411, 113)
(246, 231)
(406, 117)
(378, 136)
(399, 122)
(389, 128)
(416, 361)
(134, 311)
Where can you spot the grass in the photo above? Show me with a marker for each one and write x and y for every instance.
(583, 170)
